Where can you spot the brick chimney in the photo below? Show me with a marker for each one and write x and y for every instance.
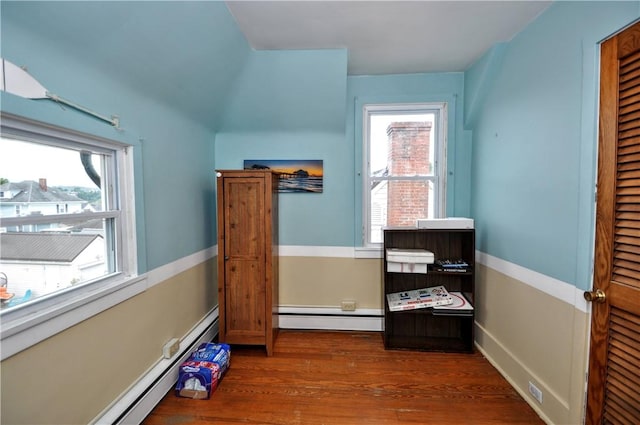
(43, 185)
(408, 155)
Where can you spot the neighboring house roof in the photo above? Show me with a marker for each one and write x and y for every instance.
(61, 247)
(31, 191)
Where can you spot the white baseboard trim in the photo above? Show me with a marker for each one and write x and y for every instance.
(491, 348)
(325, 318)
(138, 401)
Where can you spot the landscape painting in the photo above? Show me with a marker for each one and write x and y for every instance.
(296, 176)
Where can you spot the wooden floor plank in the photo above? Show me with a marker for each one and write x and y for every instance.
(348, 378)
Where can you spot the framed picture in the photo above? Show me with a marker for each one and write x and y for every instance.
(296, 175)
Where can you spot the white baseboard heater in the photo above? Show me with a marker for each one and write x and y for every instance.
(139, 400)
(330, 319)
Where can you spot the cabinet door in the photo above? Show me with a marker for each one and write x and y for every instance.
(244, 250)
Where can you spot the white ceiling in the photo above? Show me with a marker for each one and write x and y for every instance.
(387, 37)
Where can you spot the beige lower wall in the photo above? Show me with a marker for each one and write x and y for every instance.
(325, 282)
(73, 376)
(532, 336)
(527, 334)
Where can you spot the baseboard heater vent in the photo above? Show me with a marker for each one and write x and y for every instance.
(330, 319)
(133, 406)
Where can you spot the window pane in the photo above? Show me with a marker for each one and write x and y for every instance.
(37, 263)
(37, 179)
(405, 166)
(399, 203)
(39, 255)
(401, 145)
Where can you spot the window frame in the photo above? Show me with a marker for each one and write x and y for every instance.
(36, 320)
(439, 176)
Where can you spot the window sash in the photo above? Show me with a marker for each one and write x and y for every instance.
(437, 177)
(119, 226)
(59, 218)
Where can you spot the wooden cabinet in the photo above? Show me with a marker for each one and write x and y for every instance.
(248, 257)
(429, 329)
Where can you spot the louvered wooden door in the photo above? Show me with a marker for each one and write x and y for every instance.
(613, 395)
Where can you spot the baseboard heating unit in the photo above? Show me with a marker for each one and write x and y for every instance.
(140, 399)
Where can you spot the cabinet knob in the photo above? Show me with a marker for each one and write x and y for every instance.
(226, 258)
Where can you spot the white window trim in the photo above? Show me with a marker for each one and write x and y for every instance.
(369, 249)
(368, 252)
(46, 316)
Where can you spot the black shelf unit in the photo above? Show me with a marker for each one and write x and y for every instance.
(428, 329)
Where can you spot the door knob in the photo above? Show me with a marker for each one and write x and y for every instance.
(597, 296)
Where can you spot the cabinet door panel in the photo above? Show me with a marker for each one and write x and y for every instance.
(245, 295)
(244, 260)
(244, 221)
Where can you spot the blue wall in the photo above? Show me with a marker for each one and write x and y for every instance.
(290, 90)
(181, 53)
(302, 105)
(313, 219)
(413, 88)
(532, 107)
(174, 152)
(529, 104)
(291, 105)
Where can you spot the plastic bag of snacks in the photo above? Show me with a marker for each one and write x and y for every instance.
(200, 374)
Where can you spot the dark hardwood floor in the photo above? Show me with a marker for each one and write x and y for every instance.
(344, 378)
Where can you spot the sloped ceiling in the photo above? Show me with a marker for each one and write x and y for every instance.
(188, 54)
(185, 54)
(387, 37)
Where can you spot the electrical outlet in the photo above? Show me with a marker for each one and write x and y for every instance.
(348, 306)
(171, 348)
(535, 392)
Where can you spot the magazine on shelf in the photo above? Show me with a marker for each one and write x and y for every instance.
(419, 298)
(460, 304)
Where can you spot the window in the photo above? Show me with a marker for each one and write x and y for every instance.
(66, 217)
(405, 166)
